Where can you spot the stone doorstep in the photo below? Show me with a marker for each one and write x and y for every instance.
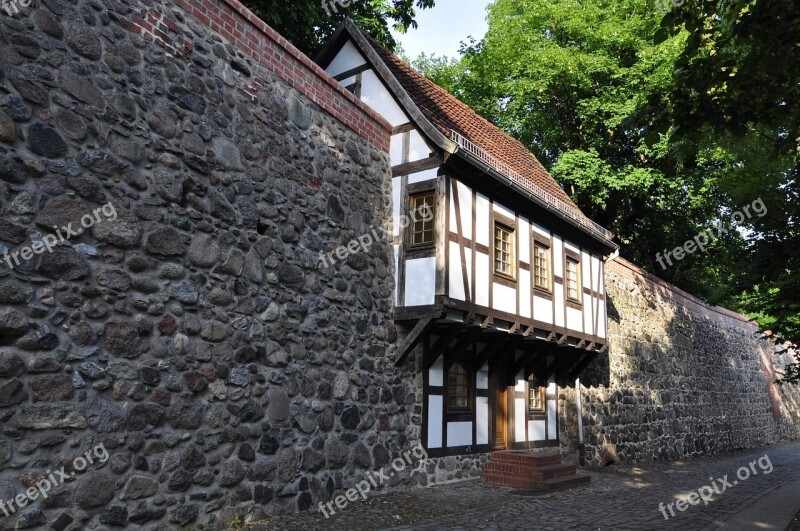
(531, 471)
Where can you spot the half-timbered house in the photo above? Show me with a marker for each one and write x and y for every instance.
(503, 290)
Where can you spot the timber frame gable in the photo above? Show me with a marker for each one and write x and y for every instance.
(469, 299)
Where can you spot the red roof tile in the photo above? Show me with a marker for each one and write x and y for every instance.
(446, 113)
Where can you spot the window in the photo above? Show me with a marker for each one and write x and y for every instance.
(541, 266)
(535, 394)
(503, 251)
(422, 218)
(457, 389)
(573, 279)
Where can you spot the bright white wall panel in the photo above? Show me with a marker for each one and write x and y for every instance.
(558, 257)
(575, 319)
(420, 281)
(465, 204)
(348, 57)
(482, 279)
(459, 433)
(396, 271)
(436, 372)
(396, 149)
(417, 147)
(571, 247)
(482, 420)
(524, 238)
(586, 274)
(541, 230)
(551, 420)
(482, 378)
(396, 204)
(601, 320)
(558, 298)
(542, 309)
(455, 273)
(374, 94)
(536, 430)
(520, 419)
(504, 298)
(525, 293)
(500, 209)
(589, 305)
(435, 405)
(482, 229)
(597, 274)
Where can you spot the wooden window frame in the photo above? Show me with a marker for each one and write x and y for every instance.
(511, 227)
(413, 192)
(460, 414)
(571, 256)
(550, 272)
(536, 413)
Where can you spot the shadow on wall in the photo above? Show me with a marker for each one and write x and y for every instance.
(681, 379)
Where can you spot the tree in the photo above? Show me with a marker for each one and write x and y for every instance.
(309, 23)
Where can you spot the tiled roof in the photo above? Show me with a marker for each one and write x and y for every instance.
(447, 113)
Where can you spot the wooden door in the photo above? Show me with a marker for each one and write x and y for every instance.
(498, 406)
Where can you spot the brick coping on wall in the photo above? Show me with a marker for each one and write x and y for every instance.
(667, 291)
(232, 21)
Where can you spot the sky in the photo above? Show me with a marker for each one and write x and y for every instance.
(442, 28)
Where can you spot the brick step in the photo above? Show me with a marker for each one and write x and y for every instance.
(530, 472)
(526, 458)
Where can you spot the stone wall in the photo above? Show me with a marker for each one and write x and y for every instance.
(681, 379)
(191, 330)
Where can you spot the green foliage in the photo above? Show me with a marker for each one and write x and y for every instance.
(309, 23)
(659, 127)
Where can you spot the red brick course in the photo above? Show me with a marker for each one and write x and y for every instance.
(239, 26)
(668, 292)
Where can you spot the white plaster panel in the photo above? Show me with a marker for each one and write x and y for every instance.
(536, 430)
(482, 420)
(436, 372)
(541, 230)
(586, 274)
(504, 298)
(525, 294)
(524, 238)
(482, 228)
(459, 433)
(396, 204)
(455, 273)
(420, 281)
(375, 94)
(551, 419)
(558, 297)
(482, 279)
(482, 378)
(465, 204)
(348, 57)
(519, 420)
(558, 257)
(417, 148)
(435, 412)
(542, 309)
(396, 149)
(589, 304)
(396, 271)
(575, 319)
(500, 209)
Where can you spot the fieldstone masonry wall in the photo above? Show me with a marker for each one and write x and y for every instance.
(681, 379)
(195, 336)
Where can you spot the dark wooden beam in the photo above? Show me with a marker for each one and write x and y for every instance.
(412, 339)
(352, 72)
(489, 321)
(558, 362)
(458, 349)
(407, 168)
(575, 359)
(442, 343)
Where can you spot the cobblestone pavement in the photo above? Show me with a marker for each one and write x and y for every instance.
(618, 498)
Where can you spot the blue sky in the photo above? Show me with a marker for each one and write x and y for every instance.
(442, 28)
